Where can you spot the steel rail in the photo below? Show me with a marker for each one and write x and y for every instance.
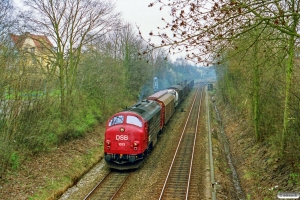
(192, 159)
(175, 154)
(101, 182)
(117, 191)
(93, 190)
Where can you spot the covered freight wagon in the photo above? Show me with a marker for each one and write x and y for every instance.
(166, 101)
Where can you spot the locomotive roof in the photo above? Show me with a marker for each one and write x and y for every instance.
(146, 109)
(167, 98)
(157, 95)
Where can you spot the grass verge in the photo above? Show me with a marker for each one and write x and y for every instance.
(68, 174)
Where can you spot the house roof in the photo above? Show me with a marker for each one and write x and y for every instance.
(40, 41)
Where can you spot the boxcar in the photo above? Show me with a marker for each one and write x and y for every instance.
(168, 106)
(157, 95)
(167, 103)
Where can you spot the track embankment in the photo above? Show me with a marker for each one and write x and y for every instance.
(222, 137)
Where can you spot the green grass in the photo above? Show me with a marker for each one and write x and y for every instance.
(294, 179)
(14, 161)
(29, 94)
(64, 178)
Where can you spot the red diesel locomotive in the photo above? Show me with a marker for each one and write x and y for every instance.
(131, 134)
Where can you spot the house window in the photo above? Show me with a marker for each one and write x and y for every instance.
(25, 48)
(32, 49)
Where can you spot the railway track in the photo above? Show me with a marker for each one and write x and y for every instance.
(109, 186)
(177, 168)
(177, 183)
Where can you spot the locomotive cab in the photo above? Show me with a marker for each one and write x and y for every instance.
(129, 133)
(124, 133)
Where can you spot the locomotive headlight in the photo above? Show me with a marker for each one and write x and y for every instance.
(108, 142)
(136, 143)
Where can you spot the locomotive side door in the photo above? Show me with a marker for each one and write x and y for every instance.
(147, 136)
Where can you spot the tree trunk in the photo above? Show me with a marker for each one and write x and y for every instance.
(288, 83)
(256, 87)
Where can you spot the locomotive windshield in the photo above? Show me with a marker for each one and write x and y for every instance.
(134, 120)
(116, 120)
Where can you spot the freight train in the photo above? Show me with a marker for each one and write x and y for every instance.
(132, 133)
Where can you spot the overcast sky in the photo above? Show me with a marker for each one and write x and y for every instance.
(146, 18)
(138, 12)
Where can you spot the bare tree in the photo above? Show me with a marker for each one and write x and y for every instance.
(7, 109)
(6, 19)
(204, 28)
(71, 24)
(6, 24)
